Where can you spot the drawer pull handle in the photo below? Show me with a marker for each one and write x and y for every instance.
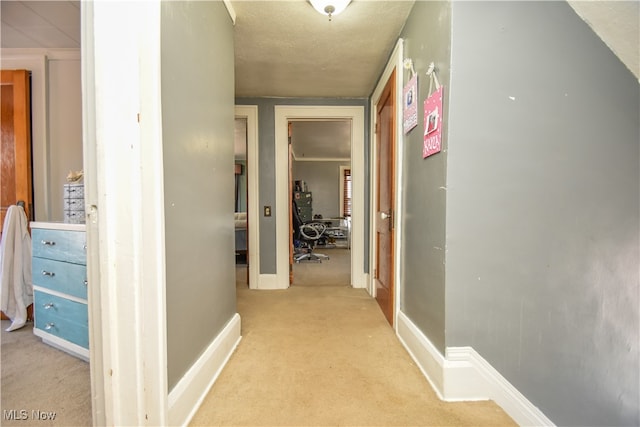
(48, 305)
(48, 242)
(48, 273)
(49, 326)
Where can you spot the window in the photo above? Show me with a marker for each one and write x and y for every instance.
(346, 192)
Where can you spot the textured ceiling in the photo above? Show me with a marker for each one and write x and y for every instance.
(287, 49)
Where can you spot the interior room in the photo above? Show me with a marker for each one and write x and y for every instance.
(241, 193)
(238, 201)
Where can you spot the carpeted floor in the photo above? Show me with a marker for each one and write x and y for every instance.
(325, 355)
(38, 380)
(320, 353)
(330, 272)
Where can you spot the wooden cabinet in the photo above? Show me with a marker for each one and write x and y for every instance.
(60, 286)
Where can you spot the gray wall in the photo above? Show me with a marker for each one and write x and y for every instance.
(197, 121)
(422, 270)
(323, 180)
(267, 179)
(543, 209)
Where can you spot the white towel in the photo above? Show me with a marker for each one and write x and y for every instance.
(16, 285)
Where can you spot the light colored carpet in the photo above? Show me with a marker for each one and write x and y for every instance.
(37, 377)
(335, 271)
(323, 355)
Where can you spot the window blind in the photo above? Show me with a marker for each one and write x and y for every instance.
(346, 196)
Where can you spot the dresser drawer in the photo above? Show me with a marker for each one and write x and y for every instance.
(61, 317)
(74, 191)
(61, 245)
(53, 305)
(74, 204)
(60, 276)
(74, 216)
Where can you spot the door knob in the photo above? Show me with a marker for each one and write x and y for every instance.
(384, 215)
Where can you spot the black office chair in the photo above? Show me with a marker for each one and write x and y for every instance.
(307, 235)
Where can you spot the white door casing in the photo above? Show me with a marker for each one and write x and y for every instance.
(250, 112)
(282, 116)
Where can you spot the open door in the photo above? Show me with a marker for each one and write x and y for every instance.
(385, 208)
(15, 146)
(15, 149)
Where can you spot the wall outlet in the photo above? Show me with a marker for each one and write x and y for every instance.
(267, 211)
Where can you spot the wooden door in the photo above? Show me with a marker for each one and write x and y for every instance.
(385, 209)
(15, 148)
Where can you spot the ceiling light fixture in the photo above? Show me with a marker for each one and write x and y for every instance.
(330, 7)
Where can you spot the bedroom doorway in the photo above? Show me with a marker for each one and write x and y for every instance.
(240, 203)
(246, 199)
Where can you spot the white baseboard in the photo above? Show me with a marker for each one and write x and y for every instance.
(463, 375)
(187, 396)
(63, 345)
(423, 352)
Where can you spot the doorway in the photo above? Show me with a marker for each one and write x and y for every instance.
(320, 154)
(247, 140)
(284, 115)
(240, 203)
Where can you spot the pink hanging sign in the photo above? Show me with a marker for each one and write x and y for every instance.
(432, 124)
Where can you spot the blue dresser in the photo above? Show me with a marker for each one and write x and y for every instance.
(59, 269)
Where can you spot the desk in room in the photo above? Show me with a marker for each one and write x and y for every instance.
(338, 228)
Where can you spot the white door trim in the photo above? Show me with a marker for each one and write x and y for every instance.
(250, 112)
(282, 116)
(125, 211)
(395, 62)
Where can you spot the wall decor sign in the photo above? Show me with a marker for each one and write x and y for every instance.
(432, 123)
(410, 104)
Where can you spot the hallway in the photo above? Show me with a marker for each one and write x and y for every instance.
(326, 356)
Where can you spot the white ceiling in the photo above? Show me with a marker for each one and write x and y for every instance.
(287, 49)
(40, 24)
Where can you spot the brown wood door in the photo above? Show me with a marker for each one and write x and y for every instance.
(385, 209)
(15, 148)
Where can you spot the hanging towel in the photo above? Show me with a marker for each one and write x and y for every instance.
(16, 285)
